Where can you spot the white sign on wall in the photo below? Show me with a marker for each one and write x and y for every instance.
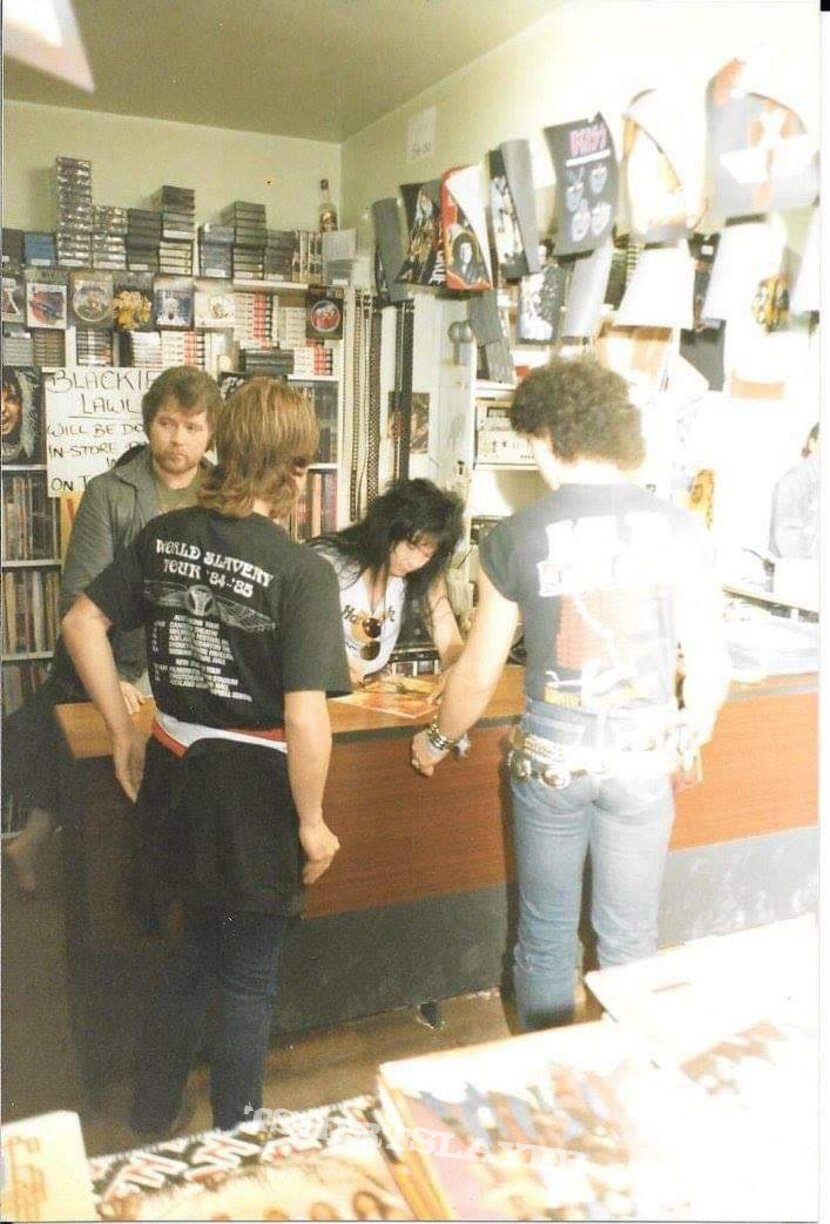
(420, 135)
(93, 415)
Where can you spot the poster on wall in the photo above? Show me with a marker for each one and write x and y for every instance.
(466, 249)
(761, 156)
(93, 415)
(512, 209)
(586, 183)
(424, 256)
(22, 433)
(658, 194)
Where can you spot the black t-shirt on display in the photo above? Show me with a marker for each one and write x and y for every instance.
(235, 612)
(597, 571)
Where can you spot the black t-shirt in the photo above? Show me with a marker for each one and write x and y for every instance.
(597, 571)
(236, 614)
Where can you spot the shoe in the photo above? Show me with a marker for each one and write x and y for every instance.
(180, 1123)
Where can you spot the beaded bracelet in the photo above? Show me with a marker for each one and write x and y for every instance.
(441, 743)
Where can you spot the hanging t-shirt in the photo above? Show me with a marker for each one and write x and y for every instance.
(362, 624)
(596, 571)
(236, 614)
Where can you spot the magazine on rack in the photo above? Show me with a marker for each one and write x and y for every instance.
(569, 1124)
(318, 1164)
(738, 1015)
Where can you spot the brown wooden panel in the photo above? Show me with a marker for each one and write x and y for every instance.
(403, 836)
(760, 773)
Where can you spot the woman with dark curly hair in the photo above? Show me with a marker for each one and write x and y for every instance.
(613, 585)
(393, 562)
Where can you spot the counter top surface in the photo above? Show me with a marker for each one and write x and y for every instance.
(86, 736)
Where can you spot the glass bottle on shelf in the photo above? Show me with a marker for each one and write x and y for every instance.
(327, 212)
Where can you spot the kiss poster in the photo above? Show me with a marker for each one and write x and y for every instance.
(586, 184)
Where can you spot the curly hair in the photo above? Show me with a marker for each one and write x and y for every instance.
(193, 389)
(411, 510)
(584, 409)
(266, 436)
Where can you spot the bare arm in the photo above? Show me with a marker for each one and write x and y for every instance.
(475, 675)
(445, 632)
(84, 630)
(308, 735)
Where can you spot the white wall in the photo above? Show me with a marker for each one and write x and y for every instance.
(588, 55)
(132, 158)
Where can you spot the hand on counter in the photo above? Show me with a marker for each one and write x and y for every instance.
(133, 697)
(320, 846)
(424, 757)
(128, 751)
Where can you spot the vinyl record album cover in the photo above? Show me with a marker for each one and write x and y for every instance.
(586, 183)
(132, 301)
(424, 262)
(324, 314)
(90, 298)
(14, 299)
(173, 301)
(46, 301)
(465, 230)
(214, 306)
(22, 433)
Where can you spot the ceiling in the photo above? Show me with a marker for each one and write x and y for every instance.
(316, 69)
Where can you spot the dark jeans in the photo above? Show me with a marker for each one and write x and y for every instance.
(231, 955)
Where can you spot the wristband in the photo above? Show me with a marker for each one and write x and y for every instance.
(441, 743)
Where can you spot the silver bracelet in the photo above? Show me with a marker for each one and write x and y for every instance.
(441, 743)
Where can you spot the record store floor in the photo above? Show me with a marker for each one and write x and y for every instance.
(312, 1068)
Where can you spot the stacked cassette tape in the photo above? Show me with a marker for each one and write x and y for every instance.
(73, 189)
(250, 237)
(142, 239)
(178, 230)
(215, 250)
(109, 233)
(281, 255)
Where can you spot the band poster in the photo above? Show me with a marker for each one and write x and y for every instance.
(586, 183)
(465, 229)
(424, 257)
(512, 210)
(761, 157)
(659, 209)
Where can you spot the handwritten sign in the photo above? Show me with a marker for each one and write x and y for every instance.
(420, 135)
(93, 415)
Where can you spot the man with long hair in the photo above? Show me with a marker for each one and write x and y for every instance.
(244, 645)
(615, 588)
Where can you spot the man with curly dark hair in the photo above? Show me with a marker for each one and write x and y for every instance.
(614, 587)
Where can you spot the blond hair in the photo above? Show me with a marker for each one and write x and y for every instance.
(266, 435)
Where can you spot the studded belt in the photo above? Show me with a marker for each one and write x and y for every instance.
(534, 756)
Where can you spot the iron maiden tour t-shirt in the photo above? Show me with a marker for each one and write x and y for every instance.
(236, 614)
(598, 571)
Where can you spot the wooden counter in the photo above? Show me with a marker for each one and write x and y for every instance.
(404, 837)
(416, 906)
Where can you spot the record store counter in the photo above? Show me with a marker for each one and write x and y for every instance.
(418, 904)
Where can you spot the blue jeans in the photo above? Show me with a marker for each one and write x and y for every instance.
(235, 957)
(626, 824)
